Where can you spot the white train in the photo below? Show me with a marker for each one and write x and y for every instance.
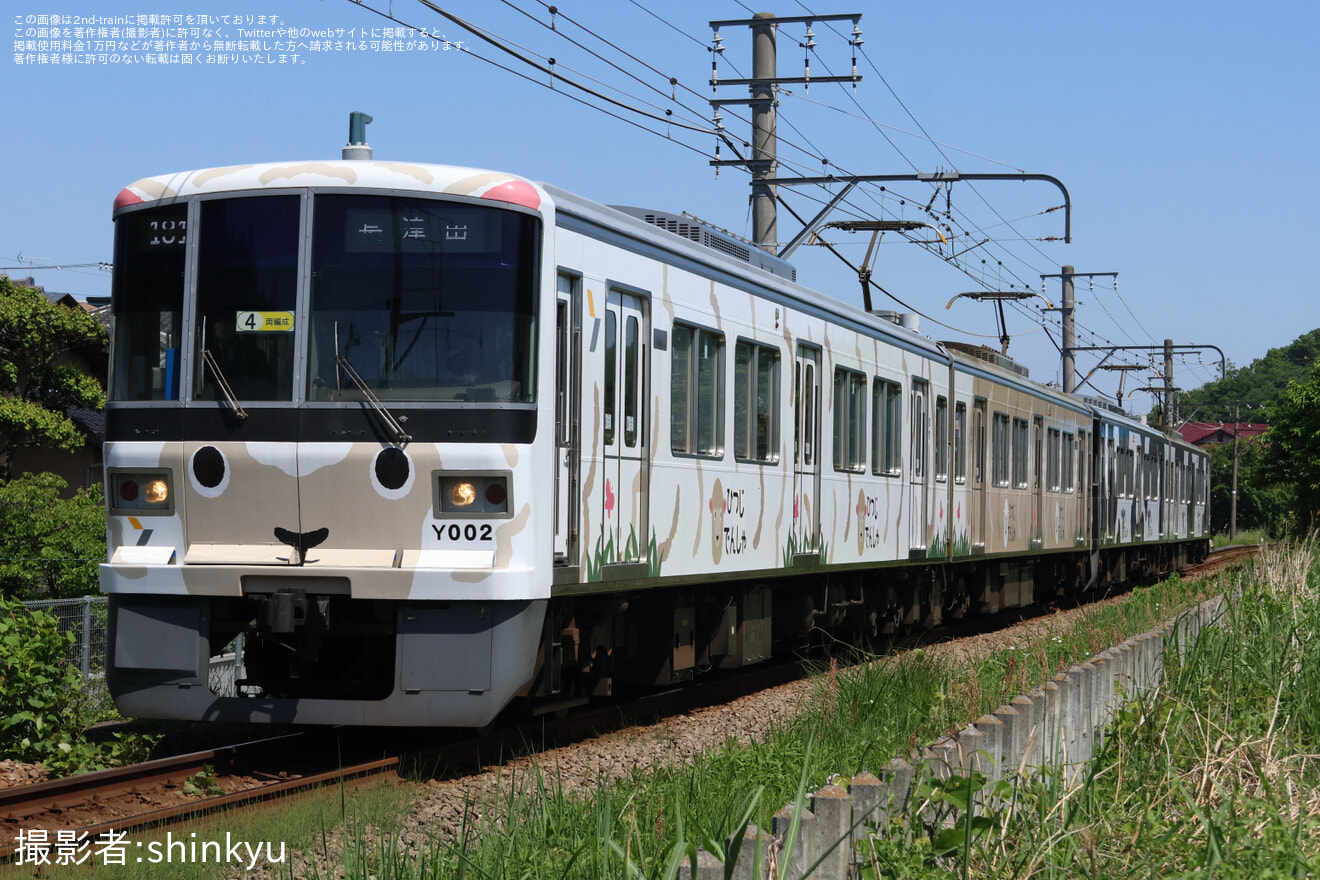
(435, 439)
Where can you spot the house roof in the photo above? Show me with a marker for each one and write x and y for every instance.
(1214, 433)
(91, 422)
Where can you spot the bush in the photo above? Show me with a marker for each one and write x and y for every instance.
(41, 700)
(50, 547)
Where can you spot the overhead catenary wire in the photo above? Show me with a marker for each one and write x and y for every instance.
(917, 122)
(489, 37)
(630, 110)
(503, 46)
(674, 80)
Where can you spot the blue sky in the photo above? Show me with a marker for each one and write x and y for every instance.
(1184, 131)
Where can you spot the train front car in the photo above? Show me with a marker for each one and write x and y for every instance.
(323, 425)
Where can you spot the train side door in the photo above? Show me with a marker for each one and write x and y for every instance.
(806, 450)
(1038, 481)
(568, 391)
(977, 502)
(624, 440)
(1081, 483)
(920, 462)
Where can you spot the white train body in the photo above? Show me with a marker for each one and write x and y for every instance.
(433, 439)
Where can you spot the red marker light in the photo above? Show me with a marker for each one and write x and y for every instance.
(495, 494)
(128, 490)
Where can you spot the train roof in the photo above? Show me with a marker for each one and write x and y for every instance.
(369, 174)
(1133, 423)
(742, 271)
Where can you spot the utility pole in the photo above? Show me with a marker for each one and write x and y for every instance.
(762, 162)
(1232, 504)
(1069, 333)
(1167, 412)
(763, 84)
(1067, 311)
(765, 137)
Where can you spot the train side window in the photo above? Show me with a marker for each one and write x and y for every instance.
(1120, 460)
(941, 439)
(1069, 459)
(611, 352)
(1052, 452)
(1000, 450)
(960, 443)
(978, 443)
(849, 420)
(886, 427)
(632, 418)
(561, 370)
(807, 401)
(1037, 462)
(696, 424)
(755, 402)
(1021, 451)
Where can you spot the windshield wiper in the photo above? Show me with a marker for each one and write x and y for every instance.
(386, 417)
(222, 383)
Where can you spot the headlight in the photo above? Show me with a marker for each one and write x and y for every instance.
(472, 495)
(462, 494)
(140, 492)
(157, 491)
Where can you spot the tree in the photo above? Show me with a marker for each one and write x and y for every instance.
(50, 547)
(1245, 395)
(1262, 503)
(37, 381)
(1293, 445)
(1261, 384)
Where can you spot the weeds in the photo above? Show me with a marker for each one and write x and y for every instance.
(1214, 775)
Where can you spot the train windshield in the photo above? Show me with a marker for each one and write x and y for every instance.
(247, 288)
(147, 303)
(421, 300)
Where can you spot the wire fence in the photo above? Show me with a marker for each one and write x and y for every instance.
(86, 619)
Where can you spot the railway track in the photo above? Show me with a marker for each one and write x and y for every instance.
(166, 791)
(1221, 558)
(157, 794)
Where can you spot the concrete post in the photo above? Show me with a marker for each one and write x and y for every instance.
(753, 861)
(803, 854)
(992, 732)
(1045, 698)
(1012, 739)
(868, 800)
(1095, 670)
(708, 868)
(1030, 729)
(943, 757)
(898, 775)
(1107, 664)
(971, 742)
(1070, 711)
(833, 841)
(1157, 660)
(1139, 651)
(1052, 744)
